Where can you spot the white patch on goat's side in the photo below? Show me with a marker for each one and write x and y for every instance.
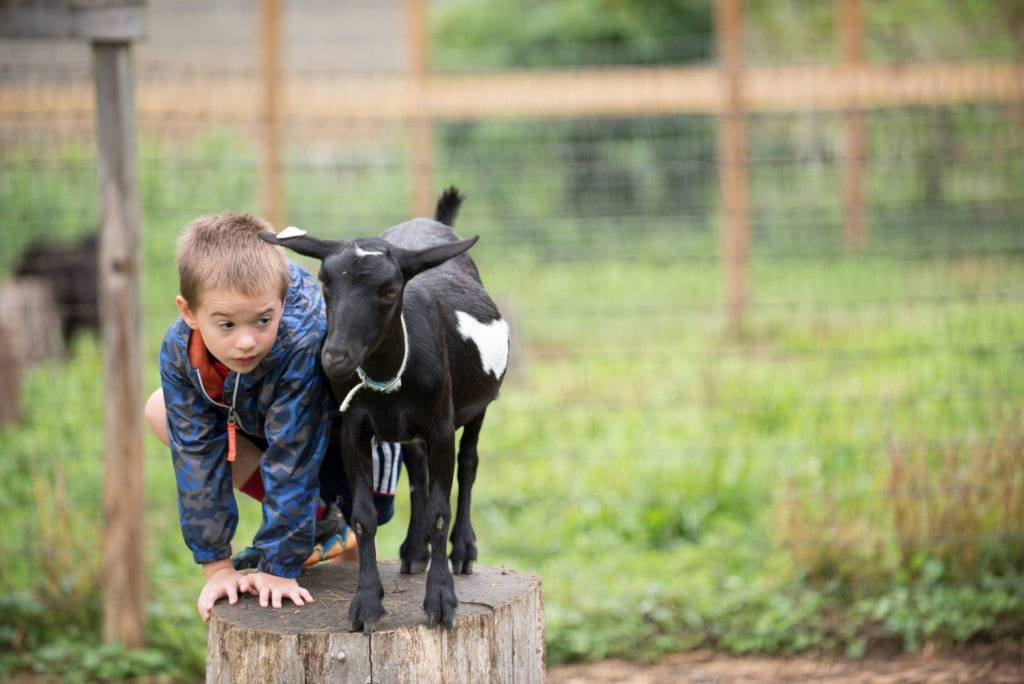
(290, 232)
(491, 340)
(360, 252)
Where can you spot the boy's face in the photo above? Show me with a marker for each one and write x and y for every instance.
(239, 330)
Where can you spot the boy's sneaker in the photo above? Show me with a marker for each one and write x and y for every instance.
(331, 524)
(332, 547)
(332, 538)
(246, 559)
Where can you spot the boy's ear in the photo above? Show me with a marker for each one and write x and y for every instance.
(186, 312)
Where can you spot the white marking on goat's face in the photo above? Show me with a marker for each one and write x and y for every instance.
(360, 252)
(491, 340)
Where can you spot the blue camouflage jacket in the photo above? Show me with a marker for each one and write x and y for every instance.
(285, 400)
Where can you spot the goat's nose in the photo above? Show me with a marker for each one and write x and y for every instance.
(331, 359)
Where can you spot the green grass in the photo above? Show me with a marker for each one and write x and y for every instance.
(672, 487)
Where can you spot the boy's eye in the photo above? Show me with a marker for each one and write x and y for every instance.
(265, 320)
(225, 325)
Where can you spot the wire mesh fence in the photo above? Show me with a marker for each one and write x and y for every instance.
(868, 411)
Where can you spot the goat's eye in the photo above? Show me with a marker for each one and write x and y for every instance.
(391, 294)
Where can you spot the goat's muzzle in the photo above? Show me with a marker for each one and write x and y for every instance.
(338, 363)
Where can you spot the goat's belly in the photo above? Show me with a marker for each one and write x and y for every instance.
(468, 413)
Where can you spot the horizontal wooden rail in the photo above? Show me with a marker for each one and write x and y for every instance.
(545, 94)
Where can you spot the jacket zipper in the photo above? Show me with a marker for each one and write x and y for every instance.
(232, 414)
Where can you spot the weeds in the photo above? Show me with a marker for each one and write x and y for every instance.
(814, 485)
(961, 503)
(955, 505)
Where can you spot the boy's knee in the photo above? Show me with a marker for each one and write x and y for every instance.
(156, 416)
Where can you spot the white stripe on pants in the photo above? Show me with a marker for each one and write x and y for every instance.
(386, 462)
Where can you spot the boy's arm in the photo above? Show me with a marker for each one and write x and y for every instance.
(198, 440)
(296, 429)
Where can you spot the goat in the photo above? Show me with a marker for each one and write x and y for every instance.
(409, 306)
(71, 272)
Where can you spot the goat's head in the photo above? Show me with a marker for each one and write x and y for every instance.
(363, 282)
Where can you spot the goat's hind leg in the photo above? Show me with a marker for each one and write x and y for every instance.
(414, 552)
(463, 538)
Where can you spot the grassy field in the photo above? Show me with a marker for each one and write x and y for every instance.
(846, 472)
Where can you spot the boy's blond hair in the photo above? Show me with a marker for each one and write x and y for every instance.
(224, 252)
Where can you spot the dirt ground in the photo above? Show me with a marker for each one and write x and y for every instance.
(980, 664)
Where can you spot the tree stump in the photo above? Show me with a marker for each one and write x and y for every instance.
(29, 333)
(10, 377)
(28, 308)
(498, 634)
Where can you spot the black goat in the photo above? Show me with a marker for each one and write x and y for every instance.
(71, 272)
(417, 349)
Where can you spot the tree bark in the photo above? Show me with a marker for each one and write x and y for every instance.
(498, 634)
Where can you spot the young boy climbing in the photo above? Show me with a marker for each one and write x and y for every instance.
(244, 404)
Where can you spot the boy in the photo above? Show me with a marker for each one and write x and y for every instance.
(244, 402)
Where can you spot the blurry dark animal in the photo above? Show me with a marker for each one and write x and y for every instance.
(71, 272)
(417, 349)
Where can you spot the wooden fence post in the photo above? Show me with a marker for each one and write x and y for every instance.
(420, 124)
(111, 25)
(124, 570)
(732, 159)
(272, 190)
(851, 41)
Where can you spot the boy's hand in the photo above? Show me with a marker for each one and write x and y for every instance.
(272, 589)
(221, 580)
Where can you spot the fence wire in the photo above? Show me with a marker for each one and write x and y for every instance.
(868, 383)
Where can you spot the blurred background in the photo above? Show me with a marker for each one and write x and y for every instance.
(763, 262)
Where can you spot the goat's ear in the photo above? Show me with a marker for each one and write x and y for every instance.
(307, 245)
(414, 262)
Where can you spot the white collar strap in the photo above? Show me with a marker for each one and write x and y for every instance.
(392, 385)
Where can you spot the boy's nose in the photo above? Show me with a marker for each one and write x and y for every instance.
(245, 340)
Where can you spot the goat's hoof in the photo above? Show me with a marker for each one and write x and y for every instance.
(440, 607)
(413, 567)
(448, 620)
(462, 567)
(463, 559)
(415, 557)
(364, 613)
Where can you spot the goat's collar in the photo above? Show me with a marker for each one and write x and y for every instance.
(392, 385)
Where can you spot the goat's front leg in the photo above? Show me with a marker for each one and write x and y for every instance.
(440, 602)
(463, 538)
(414, 552)
(367, 604)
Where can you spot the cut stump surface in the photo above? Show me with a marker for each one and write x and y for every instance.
(498, 634)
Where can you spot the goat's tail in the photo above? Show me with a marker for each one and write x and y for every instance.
(448, 206)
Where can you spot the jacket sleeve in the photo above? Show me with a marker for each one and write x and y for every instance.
(296, 428)
(198, 440)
